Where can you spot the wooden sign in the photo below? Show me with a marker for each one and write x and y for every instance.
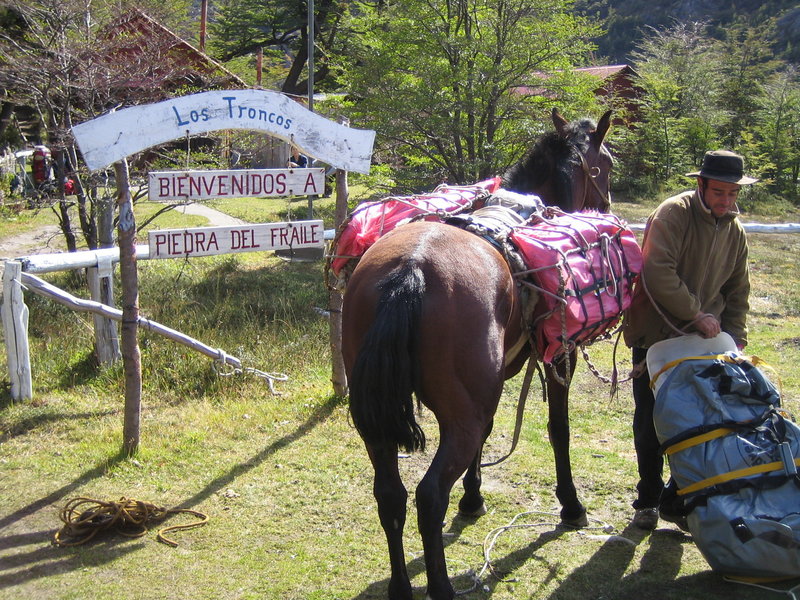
(207, 241)
(114, 136)
(239, 183)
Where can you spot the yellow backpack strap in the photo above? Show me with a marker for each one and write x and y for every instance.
(698, 439)
(678, 361)
(731, 475)
(753, 359)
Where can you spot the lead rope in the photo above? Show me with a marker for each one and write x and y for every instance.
(84, 518)
(523, 396)
(791, 592)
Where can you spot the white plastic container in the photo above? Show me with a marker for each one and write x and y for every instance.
(662, 353)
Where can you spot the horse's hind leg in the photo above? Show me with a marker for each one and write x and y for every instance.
(572, 510)
(391, 496)
(472, 503)
(457, 446)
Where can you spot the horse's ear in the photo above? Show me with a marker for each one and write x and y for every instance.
(560, 123)
(602, 128)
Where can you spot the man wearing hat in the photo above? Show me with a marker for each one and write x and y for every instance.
(694, 279)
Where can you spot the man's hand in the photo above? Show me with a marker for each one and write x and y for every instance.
(707, 325)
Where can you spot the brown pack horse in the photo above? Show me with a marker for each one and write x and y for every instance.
(432, 310)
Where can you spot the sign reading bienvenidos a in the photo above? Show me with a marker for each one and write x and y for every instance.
(165, 186)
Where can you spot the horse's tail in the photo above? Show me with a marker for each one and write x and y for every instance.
(386, 370)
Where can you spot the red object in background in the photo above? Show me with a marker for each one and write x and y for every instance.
(41, 164)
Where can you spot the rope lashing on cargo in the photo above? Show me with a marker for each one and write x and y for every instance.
(84, 518)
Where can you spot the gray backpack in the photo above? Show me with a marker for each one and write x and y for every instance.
(733, 453)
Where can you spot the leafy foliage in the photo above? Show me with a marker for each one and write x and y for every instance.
(700, 93)
(623, 21)
(437, 79)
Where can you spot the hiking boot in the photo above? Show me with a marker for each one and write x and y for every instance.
(646, 518)
(680, 520)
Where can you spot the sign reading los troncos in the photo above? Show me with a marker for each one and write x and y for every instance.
(116, 135)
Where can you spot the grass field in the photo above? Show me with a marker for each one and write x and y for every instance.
(284, 479)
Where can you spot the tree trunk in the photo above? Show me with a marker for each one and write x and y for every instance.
(338, 375)
(131, 358)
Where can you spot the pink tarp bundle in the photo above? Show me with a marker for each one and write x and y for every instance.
(374, 219)
(584, 266)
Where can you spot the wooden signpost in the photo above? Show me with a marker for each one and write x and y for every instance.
(111, 138)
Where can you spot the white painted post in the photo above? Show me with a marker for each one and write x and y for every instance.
(15, 325)
(101, 284)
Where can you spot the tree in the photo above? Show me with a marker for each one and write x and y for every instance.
(437, 78)
(779, 133)
(241, 28)
(62, 59)
(746, 62)
(680, 83)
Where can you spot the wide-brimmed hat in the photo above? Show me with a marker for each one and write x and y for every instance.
(723, 165)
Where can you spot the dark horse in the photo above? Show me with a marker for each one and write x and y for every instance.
(434, 311)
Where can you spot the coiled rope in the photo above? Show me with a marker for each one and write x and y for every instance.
(84, 518)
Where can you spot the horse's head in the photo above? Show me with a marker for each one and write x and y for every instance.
(591, 161)
(569, 167)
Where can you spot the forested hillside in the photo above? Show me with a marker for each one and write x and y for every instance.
(625, 20)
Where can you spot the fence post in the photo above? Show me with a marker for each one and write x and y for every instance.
(338, 375)
(15, 325)
(101, 284)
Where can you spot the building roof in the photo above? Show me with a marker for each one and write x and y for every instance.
(137, 23)
(605, 71)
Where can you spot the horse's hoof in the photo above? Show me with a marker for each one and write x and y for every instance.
(474, 513)
(578, 522)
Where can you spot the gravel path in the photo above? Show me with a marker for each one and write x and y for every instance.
(48, 239)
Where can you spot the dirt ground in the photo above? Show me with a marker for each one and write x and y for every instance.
(48, 239)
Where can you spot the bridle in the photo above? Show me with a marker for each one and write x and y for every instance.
(591, 174)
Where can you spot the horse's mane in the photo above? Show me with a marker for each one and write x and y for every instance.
(552, 157)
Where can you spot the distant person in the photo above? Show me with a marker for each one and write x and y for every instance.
(695, 279)
(297, 160)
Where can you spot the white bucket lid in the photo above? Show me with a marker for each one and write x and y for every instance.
(666, 351)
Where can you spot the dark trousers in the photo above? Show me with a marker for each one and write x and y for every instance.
(651, 489)
(648, 457)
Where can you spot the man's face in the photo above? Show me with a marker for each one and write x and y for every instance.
(720, 196)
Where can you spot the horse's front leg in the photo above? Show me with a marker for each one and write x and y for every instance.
(391, 496)
(472, 504)
(573, 512)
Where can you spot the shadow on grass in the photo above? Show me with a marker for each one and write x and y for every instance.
(58, 494)
(416, 566)
(321, 413)
(602, 576)
(29, 424)
(47, 559)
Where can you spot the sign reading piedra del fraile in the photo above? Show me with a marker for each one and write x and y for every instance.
(207, 241)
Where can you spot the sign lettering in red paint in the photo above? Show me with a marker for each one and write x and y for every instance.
(207, 241)
(165, 186)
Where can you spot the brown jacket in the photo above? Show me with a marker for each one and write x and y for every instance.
(692, 262)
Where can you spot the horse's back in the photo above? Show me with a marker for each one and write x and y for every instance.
(468, 310)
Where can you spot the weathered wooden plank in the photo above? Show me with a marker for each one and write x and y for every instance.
(119, 134)
(15, 324)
